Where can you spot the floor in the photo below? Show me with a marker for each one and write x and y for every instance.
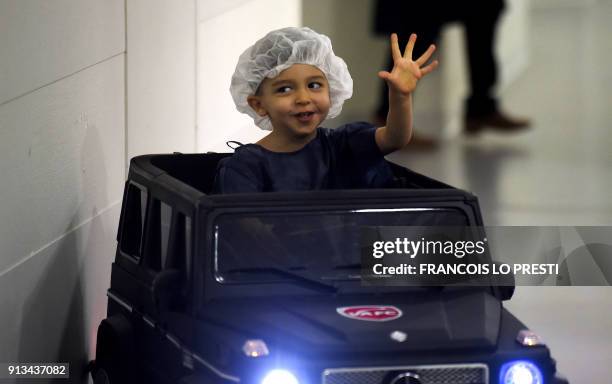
(559, 173)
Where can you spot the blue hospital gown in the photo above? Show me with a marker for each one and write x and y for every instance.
(342, 158)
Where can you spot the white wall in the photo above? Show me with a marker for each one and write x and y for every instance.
(223, 34)
(62, 167)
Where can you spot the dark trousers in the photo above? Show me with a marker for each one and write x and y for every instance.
(479, 17)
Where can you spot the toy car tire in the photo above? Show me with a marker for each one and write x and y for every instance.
(114, 351)
(100, 376)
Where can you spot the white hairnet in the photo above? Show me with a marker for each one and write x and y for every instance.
(279, 50)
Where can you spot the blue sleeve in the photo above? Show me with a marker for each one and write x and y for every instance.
(358, 138)
(360, 156)
(235, 177)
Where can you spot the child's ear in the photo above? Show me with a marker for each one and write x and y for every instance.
(256, 104)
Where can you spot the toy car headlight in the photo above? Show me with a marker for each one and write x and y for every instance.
(520, 372)
(255, 348)
(528, 338)
(280, 376)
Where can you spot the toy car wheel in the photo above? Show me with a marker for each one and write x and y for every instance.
(100, 376)
(114, 352)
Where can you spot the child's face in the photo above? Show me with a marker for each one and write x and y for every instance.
(297, 100)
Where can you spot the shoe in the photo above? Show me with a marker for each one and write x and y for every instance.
(496, 121)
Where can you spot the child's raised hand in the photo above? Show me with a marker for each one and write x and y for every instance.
(406, 73)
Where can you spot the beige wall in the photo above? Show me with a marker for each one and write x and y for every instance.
(161, 99)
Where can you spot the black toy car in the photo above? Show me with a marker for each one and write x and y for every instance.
(262, 289)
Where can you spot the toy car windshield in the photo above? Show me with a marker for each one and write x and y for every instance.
(268, 247)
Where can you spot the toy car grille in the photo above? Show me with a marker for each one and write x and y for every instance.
(432, 374)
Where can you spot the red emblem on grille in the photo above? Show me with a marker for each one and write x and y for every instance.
(371, 312)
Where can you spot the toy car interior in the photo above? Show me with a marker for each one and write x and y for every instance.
(265, 289)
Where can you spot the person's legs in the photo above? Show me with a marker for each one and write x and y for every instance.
(480, 31)
(481, 107)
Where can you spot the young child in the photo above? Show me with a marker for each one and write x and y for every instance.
(289, 82)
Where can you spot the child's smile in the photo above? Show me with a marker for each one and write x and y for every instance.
(304, 117)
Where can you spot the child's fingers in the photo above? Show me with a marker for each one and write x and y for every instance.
(384, 75)
(425, 70)
(426, 55)
(395, 51)
(410, 46)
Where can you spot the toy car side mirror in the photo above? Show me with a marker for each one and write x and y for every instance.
(167, 287)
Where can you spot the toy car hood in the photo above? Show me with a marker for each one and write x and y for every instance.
(448, 320)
